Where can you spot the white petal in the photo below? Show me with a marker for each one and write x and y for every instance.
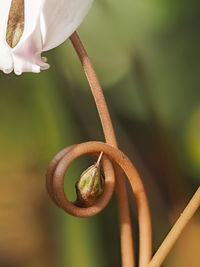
(60, 18)
(6, 61)
(32, 11)
(27, 53)
(47, 24)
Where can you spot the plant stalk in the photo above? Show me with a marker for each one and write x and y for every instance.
(176, 231)
(127, 250)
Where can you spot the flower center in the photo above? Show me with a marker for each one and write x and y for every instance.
(15, 25)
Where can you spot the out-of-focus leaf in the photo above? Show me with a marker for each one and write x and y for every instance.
(193, 142)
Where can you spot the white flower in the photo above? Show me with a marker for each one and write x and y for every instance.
(47, 23)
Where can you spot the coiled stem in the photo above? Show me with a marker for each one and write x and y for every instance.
(55, 185)
(114, 163)
(127, 249)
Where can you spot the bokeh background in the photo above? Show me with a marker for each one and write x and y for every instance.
(146, 54)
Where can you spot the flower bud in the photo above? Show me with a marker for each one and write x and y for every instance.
(90, 186)
(15, 25)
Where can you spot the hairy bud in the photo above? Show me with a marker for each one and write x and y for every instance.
(90, 186)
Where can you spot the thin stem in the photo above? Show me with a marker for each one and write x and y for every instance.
(96, 90)
(176, 230)
(52, 182)
(127, 250)
(125, 223)
(99, 159)
(55, 184)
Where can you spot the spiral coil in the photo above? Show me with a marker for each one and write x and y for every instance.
(55, 181)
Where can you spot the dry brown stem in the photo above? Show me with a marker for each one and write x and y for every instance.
(124, 215)
(114, 163)
(58, 167)
(176, 230)
(55, 185)
(125, 223)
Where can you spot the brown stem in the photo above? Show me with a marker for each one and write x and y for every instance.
(58, 167)
(125, 222)
(60, 163)
(55, 185)
(176, 230)
(71, 208)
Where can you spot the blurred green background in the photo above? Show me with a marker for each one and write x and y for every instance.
(146, 54)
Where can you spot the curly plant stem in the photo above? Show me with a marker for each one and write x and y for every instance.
(55, 185)
(56, 171)
(127, 251)
(176, 230)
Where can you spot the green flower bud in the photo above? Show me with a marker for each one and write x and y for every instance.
(15, 25)
(90, 186)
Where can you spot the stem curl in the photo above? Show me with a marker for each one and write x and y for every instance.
(127, 248)
(55, 185)
(55, 182)
(114, 163)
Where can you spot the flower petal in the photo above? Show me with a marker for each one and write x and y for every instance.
(60, 18)
(47, 23)
(6, 61)
(27, 53)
